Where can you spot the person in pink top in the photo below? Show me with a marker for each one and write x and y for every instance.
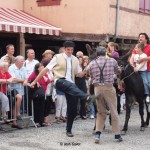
(44, 81)
(39, 102)
(111, 50)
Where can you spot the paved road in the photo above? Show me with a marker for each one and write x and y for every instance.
(54, 138)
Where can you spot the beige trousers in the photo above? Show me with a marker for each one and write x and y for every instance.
(108, 95)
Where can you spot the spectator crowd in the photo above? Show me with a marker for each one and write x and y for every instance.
(67, 84)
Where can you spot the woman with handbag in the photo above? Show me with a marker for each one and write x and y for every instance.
(37, 94)
(48, 94)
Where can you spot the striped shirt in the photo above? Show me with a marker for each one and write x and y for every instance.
(111, 67)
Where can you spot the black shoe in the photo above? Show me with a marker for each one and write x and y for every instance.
(43, 125)
(92, 98)
(97, 138)
(69, 134)
(16, 126)
(118, 138)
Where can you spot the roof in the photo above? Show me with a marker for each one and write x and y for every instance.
(20, 21)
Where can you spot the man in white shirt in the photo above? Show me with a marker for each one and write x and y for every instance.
(10, 52)
(65, 67)
(30, 62)
(18, 72)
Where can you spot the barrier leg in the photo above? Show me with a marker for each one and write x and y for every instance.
(31, 118)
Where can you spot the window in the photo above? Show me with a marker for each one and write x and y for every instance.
(145, 6)
(48, 2)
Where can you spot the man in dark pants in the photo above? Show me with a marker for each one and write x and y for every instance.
(65, 67)
(71, 111)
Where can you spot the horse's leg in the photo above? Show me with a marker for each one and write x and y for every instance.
(94, 125)
(127, 117)
(141, 112)
(148, 114)
(148, 111)
(110, 119)
(118, 103)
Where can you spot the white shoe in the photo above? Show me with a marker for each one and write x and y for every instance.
(147, 99)
(121, 109)
(92, 117)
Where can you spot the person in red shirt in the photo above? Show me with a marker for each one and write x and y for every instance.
(39, 102)
(143, 38)
(6, 78)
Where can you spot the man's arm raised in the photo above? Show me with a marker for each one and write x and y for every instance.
(40, 75)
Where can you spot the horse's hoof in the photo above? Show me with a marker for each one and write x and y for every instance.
(123, 132)
(146, 124)
(142, 129)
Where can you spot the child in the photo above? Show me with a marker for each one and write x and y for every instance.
(91, 91)
(141, 68)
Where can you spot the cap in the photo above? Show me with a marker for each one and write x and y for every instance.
(48, 51)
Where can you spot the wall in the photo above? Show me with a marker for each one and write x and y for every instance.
(73, 16)
(13, 4)
(93, 17)
(131, 22)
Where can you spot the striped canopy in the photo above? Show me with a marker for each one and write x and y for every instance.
(19, 21)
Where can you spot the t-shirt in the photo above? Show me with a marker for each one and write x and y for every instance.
(115, 54)
(12, 58)
(41, 81)
(147, 52)
(3, 87)
(136, 57)
(29, 65)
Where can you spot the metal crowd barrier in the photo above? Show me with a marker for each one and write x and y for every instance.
(26, 105)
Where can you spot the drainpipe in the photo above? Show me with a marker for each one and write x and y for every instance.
(117, 19)
(23, 4)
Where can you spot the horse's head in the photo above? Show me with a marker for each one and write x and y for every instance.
(95, 52)
(126, 68)
(122, 63)
(91, 52)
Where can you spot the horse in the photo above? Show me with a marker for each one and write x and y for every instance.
(134, 91)
(134, 88)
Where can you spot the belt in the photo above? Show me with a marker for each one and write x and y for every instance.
(58, 79)
(103, 84)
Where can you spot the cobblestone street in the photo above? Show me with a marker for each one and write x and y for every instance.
(54, 138)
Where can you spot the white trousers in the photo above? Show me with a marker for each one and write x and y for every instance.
(5, 102)
(61, 106)
(122, 100)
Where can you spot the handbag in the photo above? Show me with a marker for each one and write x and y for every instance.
(36, 92)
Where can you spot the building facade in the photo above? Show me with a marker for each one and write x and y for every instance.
(88, 21)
